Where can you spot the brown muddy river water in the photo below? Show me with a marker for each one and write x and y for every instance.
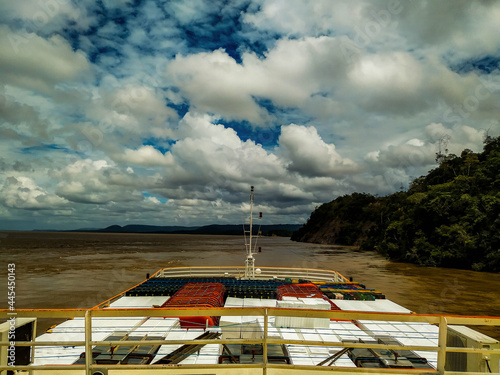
(80, 270)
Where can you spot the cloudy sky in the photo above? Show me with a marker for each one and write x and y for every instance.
(165, 112)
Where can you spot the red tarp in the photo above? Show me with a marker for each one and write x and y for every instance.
(201, 295)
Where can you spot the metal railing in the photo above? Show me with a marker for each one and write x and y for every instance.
(258, 368)
(264, 273)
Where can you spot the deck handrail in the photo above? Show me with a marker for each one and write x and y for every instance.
(442, 321)
(264, 274)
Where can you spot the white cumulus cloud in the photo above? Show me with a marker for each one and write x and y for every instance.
(22, 192)
(146, 156)
(310, 155)
(39, 64)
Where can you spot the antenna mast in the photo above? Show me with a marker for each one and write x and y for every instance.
(250, 260)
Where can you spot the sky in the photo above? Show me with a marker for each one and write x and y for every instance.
(166, 112)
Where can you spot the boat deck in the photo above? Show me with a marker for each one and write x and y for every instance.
(249, 327)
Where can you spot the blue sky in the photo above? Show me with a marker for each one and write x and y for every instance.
(165, 112)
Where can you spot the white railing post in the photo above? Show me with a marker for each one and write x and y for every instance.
(88, 339)
(443, 336)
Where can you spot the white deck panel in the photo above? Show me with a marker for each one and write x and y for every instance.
(403, 330)
(208, 354)
(157, 326)
(250, 327)
(190, 334)
(379, 305)
(74, 330)
(319, 354)
(129, 302)
(233, 302)
(257, 302)
(418, 334)
(272, 331)
(312, 355)
(310, 334)
(301, 358)
(65, 355)
(249, 302)
(253, 302)
(100, 324)
(302, 322)
(430, 356)
(343, 331)
(57, 356)
(327, 335)
(425, 328)
(289, 333)
(174, 334)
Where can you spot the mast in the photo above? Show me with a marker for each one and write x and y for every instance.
(250, 247)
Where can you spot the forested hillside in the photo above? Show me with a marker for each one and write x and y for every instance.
(449, 218)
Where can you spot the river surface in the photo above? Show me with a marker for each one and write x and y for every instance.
(80, 270)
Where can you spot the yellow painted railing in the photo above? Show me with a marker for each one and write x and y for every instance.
(258, 368)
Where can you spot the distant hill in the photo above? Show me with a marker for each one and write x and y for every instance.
(137, 228)
(284, 230)
(449, 218)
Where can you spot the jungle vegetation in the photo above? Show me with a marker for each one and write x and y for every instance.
(448, 218)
